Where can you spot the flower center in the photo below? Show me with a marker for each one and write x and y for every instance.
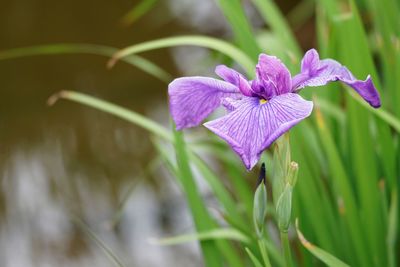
(263, 101)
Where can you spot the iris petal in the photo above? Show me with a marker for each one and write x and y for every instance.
(229, 75)
(253, 126)
(244, 87)
(232, 76)
(192, 99)
(316, 72)
(273, 76)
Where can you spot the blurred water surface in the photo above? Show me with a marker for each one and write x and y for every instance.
(68, 164)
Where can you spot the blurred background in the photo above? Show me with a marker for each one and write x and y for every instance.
(71, 175)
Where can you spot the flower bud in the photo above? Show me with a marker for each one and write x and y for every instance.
(260, 203)
(260, 208)
(292, 174)
(284, 208)
(280, 166)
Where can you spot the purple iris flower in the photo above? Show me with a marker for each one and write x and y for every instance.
(260, 110)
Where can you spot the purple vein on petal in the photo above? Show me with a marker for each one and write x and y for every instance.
(253, 127)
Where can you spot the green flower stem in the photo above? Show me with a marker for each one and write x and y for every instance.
(264, 252)
(286, 249)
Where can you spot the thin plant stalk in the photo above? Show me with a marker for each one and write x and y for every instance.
(264, 252)
(286, 249)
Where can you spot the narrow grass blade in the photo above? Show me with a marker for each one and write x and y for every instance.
(393, 228)
(355, 53)
(395, 68)
(214, 234)
(331, 109)
(58, 49)
(273, 17)
(301, 13)
(195, 40)
(253, 258)
(201, 217)
(107, 251)
(386, 31)
(223, 246)
(381, 113)
(138, 11)
(241, 187)
(312, 189)
(116, 110)
(242, 31)
(235, 172)
(321, 254)
(220, 192)
(343, 190)
(275, 254)
(264, 253)
(115, 219)
(130, 189)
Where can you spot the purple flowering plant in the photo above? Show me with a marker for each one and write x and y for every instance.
(259, 110)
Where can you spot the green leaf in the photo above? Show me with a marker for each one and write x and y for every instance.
(116, 110)
(354, 52)
(381, 113)
(321, 254)
(194, 40)
(213, 234)
(58, 49)
(274, 18)
(96, 239)
(253, 258)
(223, 246)
(234, 12)
(138, 11)
(221, 192)
(312, 188)
(201, 216)
(264, 253)
(393, 228)
(331, 109)
(342, 189)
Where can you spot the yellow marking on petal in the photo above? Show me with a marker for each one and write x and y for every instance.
(263, 101)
